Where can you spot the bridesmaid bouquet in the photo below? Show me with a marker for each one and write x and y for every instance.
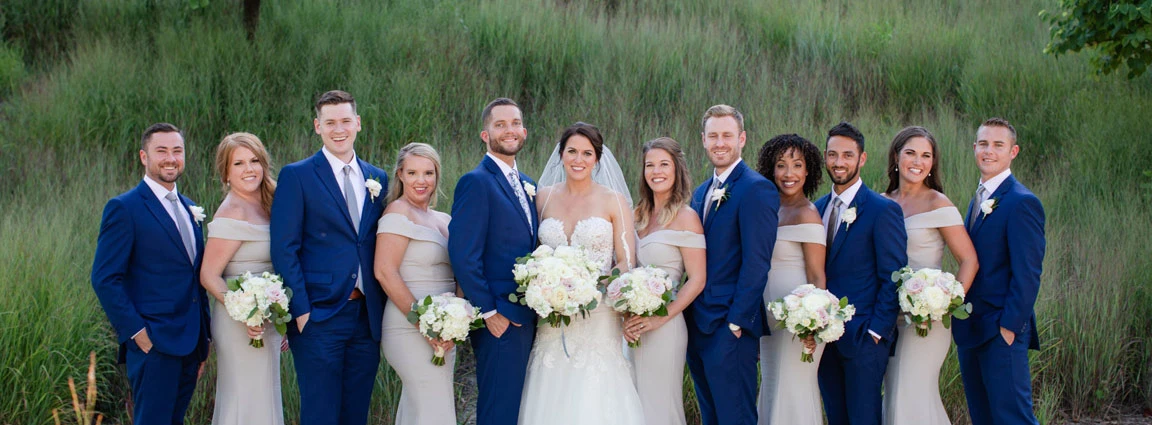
(811, 312)
(252, 300)
(643, 291)
(445, 317)
(929, 295)
(557, 283)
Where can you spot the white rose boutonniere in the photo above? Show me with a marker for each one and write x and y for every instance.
(720, 195)
(197, 213)
(849, 217)
(986, 207)
(374, 187)
(530, 190)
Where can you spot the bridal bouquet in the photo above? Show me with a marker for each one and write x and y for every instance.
(252, 300)
(812, 312)
(643, 291)
(930, 295)
(557, 283)
(445, 317)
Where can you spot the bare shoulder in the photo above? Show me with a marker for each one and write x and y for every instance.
(809, 215)
(398, 207)
(442, 217)
(940, 200)
(231, 210)
(686, 220)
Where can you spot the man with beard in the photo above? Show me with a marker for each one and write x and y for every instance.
(146, 275)
(493, 223)
(866, 243)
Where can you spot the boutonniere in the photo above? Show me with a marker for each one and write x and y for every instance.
(374, 187)
(849, 217)
(986, 207)
(197, 213)
(530, 190)
(720, 195)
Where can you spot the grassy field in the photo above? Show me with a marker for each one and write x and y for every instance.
(79, 81)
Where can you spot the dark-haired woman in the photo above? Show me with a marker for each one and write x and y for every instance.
(912, 383)
(671, 238)
(789, 393)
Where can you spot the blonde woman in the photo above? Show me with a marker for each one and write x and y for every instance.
(411, 263)
(247, 378)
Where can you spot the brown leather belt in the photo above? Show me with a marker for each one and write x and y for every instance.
(356, 294)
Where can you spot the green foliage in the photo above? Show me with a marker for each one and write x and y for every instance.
(1118, 31)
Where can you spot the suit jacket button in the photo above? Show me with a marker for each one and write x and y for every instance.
(353, 275)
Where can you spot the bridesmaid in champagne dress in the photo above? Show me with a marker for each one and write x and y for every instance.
(671, 238)
(411, 263)
(912, 384)
(789, 393)
(247, 378)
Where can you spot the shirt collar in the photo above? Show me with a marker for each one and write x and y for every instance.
(160, 191)
(504, 168)
(723, 177)
(994, 183)
(338, 165)
(849, 194)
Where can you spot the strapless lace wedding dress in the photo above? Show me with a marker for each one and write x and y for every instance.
(577, 374)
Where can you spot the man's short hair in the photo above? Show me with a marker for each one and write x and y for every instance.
(334, 97)
(844, 129)
(1000, 122)
(718, 111)
(486, 115)
(160, 127)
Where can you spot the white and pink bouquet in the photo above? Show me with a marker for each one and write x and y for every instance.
(254, 300)
(557, 283)
(445, 317)
(643, 291)
(930, 295)
(811, 312)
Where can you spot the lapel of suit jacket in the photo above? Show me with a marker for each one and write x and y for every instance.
(328, 180)
(707, 204)
(728, 185)
(161, 214)
(997, 195)
(197, 231)
(506, 187)
(858, 201)
(368, 206)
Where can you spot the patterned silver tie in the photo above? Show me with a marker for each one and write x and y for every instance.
(182, 226)
(834, 221)
(708, 197)
(350, 198)
(518, 187)
(975, 208)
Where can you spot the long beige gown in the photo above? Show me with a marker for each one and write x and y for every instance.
(912, 384)
(247, 378)
(789, 393)
(659, 361)
(427, 396)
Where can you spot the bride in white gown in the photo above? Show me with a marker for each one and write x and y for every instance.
(577, 374)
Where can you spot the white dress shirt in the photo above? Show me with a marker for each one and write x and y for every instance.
(992, 184)
(358, 188)
(846, 199)
(161, 193)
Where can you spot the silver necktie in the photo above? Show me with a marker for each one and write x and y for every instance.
(182, 226)
(518, 187)
(834, 221)
(350, 198)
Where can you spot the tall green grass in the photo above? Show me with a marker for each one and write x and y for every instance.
(639, 70)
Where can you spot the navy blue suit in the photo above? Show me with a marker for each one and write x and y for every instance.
(145, 280)
(318, 253)
(1010, 247)
(740, 233)
(489, 231)
(860, 265)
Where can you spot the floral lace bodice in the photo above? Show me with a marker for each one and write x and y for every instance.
(592, 233)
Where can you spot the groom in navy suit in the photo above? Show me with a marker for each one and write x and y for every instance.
(1006, 223)
(494, 222)
(739, 209)
(866, 243)
(146, 275)
(323, 243)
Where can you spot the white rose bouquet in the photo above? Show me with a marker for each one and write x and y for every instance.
(642, 291)
(557, 283)
(445, 317)
(930, 295)
(811, 312)
(253, 300)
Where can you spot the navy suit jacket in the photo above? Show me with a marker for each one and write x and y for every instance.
(860, 265)
(740, 234)
(1010, 247)
(143, 277)
(316, 249)
(488, 232)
